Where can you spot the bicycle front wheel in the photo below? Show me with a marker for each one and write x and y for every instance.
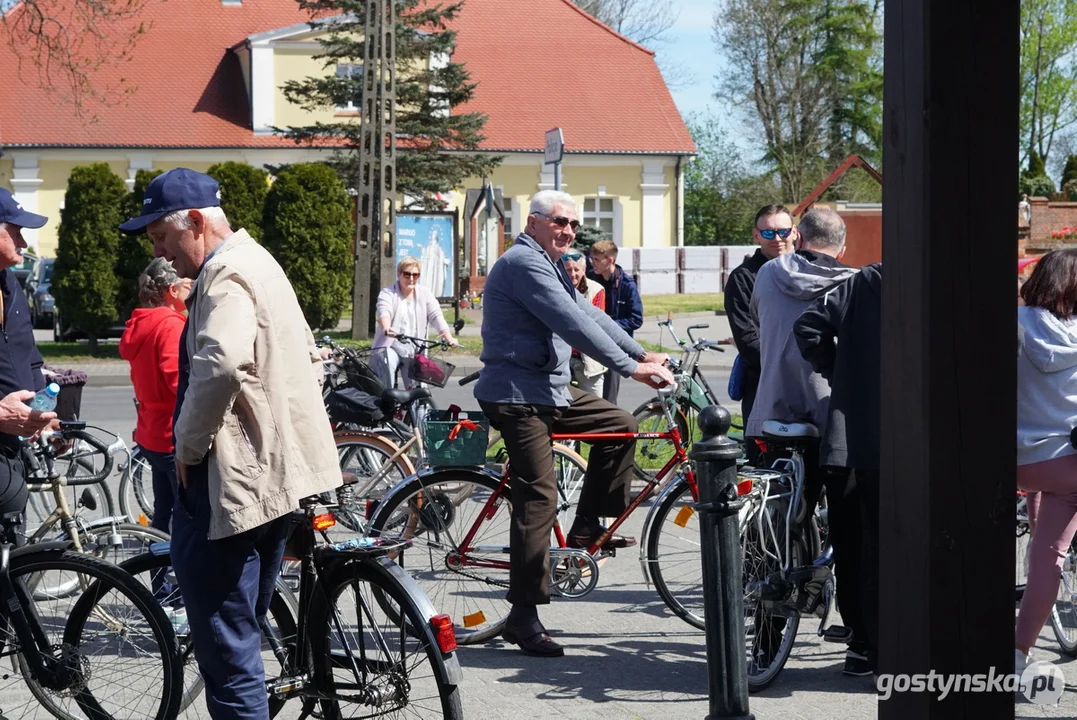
(673, 553)
(374, 651)
(437, 511)
(652, 455)
(114, 635)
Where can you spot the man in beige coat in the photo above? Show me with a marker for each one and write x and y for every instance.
(252, 436)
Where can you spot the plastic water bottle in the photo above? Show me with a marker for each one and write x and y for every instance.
(45, 400)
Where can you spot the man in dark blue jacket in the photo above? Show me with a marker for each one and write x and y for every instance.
(20, 366)
(623, 302)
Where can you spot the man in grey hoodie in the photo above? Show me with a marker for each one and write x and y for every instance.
(789, 389)
(532, 318)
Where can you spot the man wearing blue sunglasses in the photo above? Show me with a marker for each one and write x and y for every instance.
(776, 234)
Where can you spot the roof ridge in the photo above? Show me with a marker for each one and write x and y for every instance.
(607, 28)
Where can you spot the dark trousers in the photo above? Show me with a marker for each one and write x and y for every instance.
(606, 488)
(865, 572)
(163, 466)
(227, 585)
(751, 449)
(611, 386)
(13, 497)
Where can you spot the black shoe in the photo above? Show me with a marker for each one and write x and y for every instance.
(582, 538)
(533, 639)
(857, 665)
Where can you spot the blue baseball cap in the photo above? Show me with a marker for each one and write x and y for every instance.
(11, 212)
(178, 189)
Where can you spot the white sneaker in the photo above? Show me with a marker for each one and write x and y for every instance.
(1020, 662)
(178, 618)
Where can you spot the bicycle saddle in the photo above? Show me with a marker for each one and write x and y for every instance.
(789, 431)
(399, 398)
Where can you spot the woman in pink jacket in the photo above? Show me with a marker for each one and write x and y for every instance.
(405, 308)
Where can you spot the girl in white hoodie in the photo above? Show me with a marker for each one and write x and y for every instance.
(1046, 412)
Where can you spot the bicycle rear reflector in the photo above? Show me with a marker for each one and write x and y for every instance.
(443, 631)
(477, 618)
(324, 521)
(744, 487)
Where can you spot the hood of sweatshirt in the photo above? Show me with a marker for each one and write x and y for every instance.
(807, 277)
(142, 327)
(1049, 343)
(873, 276)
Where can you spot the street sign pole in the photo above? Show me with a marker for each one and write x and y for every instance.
(555, 151)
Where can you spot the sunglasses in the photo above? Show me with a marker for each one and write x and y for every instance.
(414, 276)
(769, 234)
(571, 256)
(559, 220)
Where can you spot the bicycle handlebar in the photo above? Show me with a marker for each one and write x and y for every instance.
(468, 379)
(77, 434)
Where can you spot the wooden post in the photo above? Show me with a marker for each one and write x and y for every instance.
(948, 349)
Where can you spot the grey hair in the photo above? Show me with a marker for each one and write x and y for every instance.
(544, 201)
(155, 281)
(181, 220)
(823, 229)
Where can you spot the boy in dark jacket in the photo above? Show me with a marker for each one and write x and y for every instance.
(623, 302)
(840, 336)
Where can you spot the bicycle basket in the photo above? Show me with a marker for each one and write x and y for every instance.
(431, 370)
(361, 373)
(456, 439)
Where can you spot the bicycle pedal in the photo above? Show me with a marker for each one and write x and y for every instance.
(838, 634)
(286, 685)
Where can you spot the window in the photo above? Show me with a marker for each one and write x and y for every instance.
(506, 205)
(355, 74)
(598, 212)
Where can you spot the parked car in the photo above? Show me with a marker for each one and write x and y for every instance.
(63, 331)
(38, 293)
(25, 269)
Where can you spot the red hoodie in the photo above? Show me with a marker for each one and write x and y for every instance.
(151, 345)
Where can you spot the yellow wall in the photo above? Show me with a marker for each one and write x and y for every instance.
(7, 166)
(297, 65)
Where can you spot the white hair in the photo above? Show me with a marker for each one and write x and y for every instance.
(181, 220)
(544, 201)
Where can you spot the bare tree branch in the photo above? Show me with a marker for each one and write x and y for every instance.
(644, 21)
(68, 42)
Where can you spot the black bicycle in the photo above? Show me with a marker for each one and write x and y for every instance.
(108, 652)
(360, 639)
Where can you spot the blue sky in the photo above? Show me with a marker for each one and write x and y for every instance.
(692, 48)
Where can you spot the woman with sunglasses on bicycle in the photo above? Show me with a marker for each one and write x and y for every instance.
(1046, 412)
(586, 371)
(405, 308)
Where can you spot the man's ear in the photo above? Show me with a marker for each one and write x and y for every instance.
(198, 221)
(841, 253)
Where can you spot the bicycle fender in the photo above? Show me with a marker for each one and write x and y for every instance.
(56, 546)
(105, 522)
(396, 574)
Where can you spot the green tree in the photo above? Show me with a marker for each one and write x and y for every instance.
(1069, 172)
(308, 228)
(586, 236)
(84, 281)
(807, 74)
(136, 250)
(721, 196)
(426, 94)
(1048, 74)
(243, 194)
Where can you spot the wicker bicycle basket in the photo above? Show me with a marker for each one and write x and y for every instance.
(456, 439)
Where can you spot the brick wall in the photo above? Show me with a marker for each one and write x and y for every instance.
(1048, 216)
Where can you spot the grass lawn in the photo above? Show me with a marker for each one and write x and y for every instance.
(78, 351)
(701, 302)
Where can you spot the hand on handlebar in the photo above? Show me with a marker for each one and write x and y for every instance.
(653, 374)
(656, 357)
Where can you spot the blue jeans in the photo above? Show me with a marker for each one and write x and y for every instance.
(227, 585)
(164, 487)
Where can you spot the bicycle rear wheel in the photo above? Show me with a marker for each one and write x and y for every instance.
(114, 633)
(570, 468)
(437, 510)
(136, 488)
(369, 458)
(769, 632)
(374, 651)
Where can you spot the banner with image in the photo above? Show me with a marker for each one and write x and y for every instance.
(430, 237)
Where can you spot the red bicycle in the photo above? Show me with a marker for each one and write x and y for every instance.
(457, 519)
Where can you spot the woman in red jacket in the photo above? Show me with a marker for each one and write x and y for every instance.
(151, 345)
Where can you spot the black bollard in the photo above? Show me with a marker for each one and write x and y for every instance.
(715, 457)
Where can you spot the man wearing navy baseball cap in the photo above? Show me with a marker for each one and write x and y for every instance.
(20, 367)
(251, 434)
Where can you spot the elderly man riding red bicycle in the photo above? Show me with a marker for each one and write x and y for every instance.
(532, 318)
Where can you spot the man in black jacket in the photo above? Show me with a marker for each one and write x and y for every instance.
(840, 336)
(775, 234)
(623, 303)
(20, 367)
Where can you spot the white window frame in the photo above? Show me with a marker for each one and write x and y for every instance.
(594, 219)
(351, 69)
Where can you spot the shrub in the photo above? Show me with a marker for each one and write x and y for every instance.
(136, 250)
(243, 195)
(308, 228)
(588, 235)
(85, 282)
(1069, 173)
(1037, 186)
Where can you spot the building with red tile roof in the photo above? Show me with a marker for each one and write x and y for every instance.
(202, 86)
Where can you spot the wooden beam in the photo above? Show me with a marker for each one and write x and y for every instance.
(948, 360)
(847, 164)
